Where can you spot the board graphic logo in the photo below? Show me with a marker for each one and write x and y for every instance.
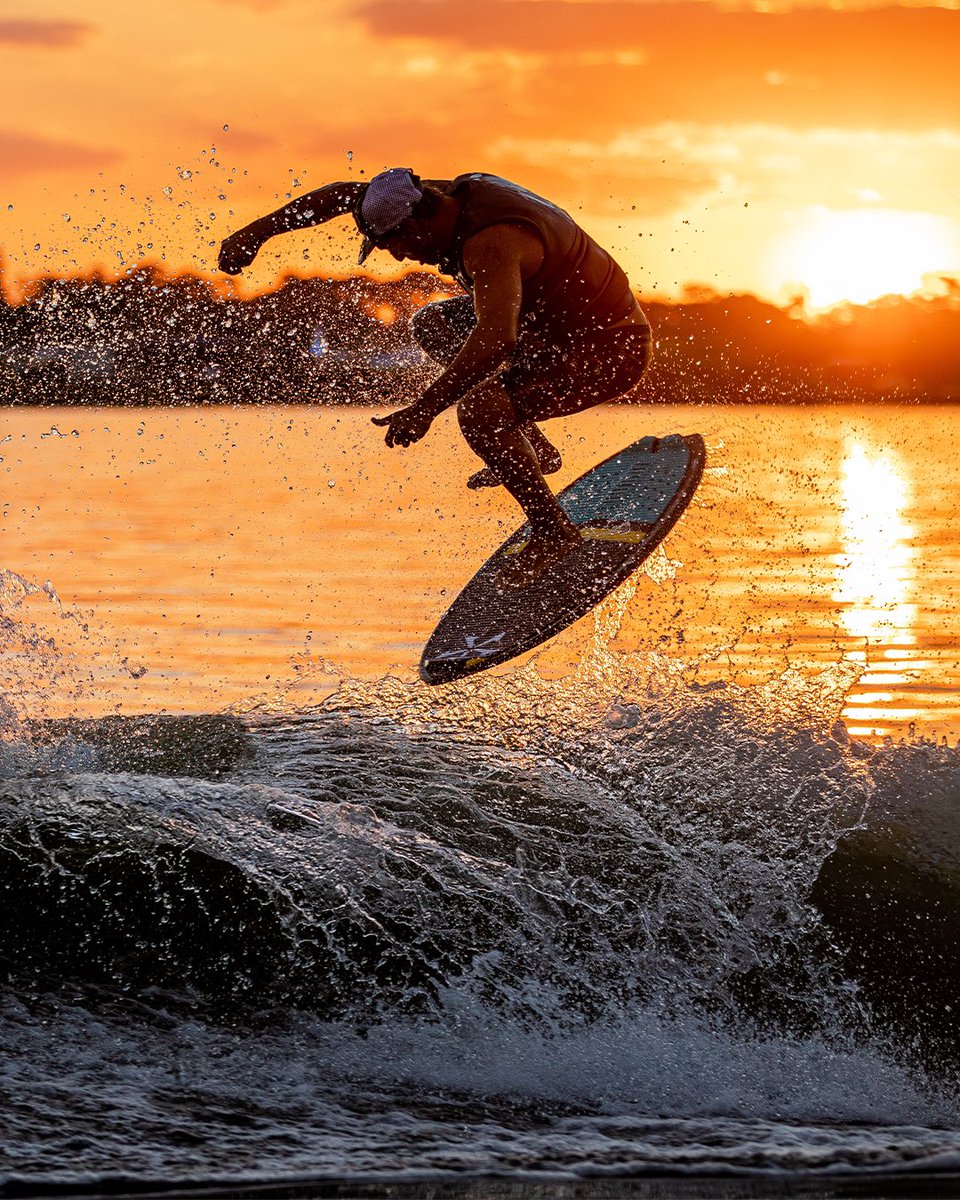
(476, 647)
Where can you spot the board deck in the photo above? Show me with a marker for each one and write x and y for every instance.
(624, 507)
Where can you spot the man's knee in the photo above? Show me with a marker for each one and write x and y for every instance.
(486, 414)
(441, 328)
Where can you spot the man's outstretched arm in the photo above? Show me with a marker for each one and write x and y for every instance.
(333, 200)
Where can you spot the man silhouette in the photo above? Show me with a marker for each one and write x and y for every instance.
(549, 326)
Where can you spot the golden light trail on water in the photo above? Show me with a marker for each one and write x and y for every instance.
(875, 586)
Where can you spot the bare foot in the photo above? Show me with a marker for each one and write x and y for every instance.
(535, 559)
(550, 463)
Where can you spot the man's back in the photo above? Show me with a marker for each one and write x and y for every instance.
(579, 286)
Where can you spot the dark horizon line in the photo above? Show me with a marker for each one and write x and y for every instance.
(692, 291)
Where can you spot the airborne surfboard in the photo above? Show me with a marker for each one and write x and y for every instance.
(623, 507)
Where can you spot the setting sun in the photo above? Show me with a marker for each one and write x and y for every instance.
(859, 255)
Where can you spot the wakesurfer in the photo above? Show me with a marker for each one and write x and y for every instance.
(549, 326)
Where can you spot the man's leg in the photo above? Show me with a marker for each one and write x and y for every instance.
(493, 430)
(548, 456)
(442, 327)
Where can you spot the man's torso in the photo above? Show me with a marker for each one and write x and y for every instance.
(578, 288)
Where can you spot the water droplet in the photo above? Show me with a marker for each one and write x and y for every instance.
(331, 483)
(9, 208)
(66, 216)
(350, 155)
(226, 129)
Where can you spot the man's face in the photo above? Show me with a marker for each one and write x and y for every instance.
(412, 239)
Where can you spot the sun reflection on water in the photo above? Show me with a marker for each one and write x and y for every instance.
(875, 588)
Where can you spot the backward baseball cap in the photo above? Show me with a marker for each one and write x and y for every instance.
(388, 201)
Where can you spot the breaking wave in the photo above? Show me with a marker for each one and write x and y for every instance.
(609, 904)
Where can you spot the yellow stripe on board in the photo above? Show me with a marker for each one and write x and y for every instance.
(600, 534)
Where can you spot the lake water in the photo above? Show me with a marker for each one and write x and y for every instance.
(674, 898)
(246, 556)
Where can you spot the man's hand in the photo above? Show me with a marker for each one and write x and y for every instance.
(406, 425)
(238, 251)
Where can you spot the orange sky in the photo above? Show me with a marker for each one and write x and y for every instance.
(764, 147)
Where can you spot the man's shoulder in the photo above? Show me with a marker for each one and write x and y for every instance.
(508, 232)
(503, 242)
(468, 178)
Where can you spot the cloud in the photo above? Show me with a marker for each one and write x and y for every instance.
(646, 185)
(592, 64)
(30, 154)
(643, 171)
(666, 167)
(53, 35)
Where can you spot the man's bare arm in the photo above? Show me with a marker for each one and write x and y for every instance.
(493, 263)
(313, 208)
(498, 259)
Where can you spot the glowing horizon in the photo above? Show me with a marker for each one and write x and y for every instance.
(740, 147)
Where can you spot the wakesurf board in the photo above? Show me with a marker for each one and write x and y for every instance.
(624, 507)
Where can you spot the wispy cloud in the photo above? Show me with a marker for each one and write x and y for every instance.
(891, 67)
(660, 167)
(28, 153)
(52, 35)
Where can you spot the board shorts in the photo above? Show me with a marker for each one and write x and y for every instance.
(546, 378)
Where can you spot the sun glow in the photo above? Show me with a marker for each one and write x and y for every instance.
(860, 254)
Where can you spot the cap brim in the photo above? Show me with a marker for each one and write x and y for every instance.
(366, 249)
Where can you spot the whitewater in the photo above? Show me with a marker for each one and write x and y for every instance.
(612, 925)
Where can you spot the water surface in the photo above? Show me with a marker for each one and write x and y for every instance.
(241, 555)
(662, 899)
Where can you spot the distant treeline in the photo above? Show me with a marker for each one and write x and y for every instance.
(152, 339)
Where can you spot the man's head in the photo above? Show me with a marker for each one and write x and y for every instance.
(394, 214)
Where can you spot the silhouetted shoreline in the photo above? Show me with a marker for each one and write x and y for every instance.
(149, 339)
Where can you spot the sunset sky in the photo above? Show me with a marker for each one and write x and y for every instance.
(768, 146)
